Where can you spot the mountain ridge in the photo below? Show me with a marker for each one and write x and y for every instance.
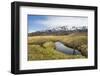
(63, 30)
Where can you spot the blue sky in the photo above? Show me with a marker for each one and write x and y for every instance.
(43, 22)
(34, 25)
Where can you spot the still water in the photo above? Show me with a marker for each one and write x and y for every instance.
(62, 48)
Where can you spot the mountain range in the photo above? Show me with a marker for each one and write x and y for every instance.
(63, 30)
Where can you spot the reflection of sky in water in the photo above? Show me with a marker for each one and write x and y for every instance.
(43, 22)
(62, 48)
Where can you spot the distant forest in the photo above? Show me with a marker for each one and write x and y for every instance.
(64, 30)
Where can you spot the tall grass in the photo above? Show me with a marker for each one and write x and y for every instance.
(47, 52)
(43, 48)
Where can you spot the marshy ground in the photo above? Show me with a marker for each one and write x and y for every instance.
(43, 47)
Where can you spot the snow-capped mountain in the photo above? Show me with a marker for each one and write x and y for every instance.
(63, 30)
(68, 28)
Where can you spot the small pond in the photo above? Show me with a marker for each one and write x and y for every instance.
(62, 48)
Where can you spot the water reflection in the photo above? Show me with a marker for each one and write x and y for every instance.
(62, 48)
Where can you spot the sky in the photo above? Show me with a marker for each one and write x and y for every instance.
(44, 22)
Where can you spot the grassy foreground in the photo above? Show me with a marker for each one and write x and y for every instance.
(43, 48)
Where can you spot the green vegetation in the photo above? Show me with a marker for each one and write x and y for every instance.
(43, 47)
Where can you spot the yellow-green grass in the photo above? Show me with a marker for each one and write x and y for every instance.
(43, 47)
(47, 52)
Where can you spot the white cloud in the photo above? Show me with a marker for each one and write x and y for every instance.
(54, 21)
